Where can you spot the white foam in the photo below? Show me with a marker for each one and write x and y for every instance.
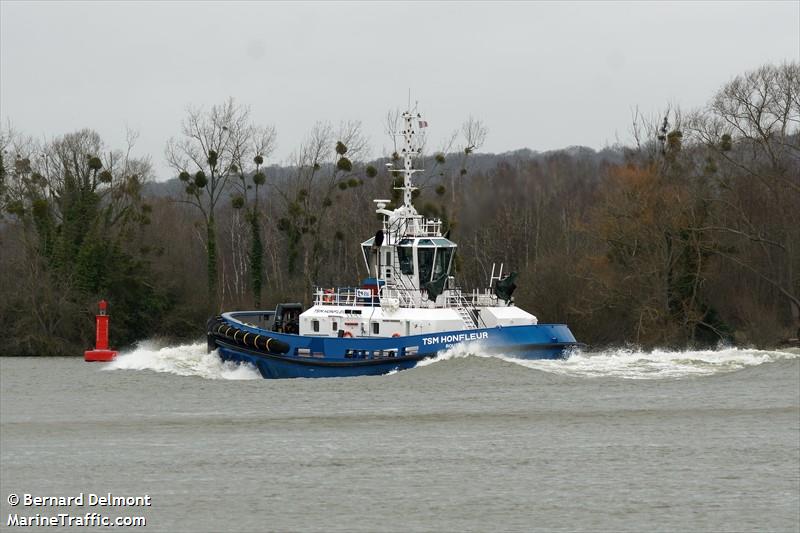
(632, 363)
(459, 351)
(183, 360)
(192, 360)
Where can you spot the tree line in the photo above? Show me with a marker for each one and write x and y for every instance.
(687, 236)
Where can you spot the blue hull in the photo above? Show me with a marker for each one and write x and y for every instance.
(311, 357)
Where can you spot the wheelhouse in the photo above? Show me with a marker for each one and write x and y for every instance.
(417, 260)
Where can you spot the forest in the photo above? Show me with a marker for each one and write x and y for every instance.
(686, 235)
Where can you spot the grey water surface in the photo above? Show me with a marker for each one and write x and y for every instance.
(706, 441)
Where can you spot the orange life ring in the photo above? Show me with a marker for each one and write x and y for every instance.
(347, 334)
(396, 335)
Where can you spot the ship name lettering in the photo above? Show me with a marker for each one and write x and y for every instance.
(456, 338)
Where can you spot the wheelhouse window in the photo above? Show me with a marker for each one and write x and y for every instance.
(425, 259)
(405, 255)
(442, 262)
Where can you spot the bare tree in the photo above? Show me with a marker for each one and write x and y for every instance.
(205, 157)
(252, 148)
(658, 137)
(758, 112)
(325, 165)
(752, 129)
(470, 138)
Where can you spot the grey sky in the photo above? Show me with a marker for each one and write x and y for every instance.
(540, 75)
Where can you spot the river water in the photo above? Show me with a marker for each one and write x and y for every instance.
(610, 441)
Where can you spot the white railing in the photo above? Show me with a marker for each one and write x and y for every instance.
(429, 228)
(413, 226)
(483, 298)
(451, 298)
(345, 296)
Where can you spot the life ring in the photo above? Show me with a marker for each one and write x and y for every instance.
(347, 334)
(396, 335)
(327, 297)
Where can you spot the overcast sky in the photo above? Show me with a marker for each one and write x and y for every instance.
(540, 75)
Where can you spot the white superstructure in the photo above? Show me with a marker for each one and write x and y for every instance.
(411, 291)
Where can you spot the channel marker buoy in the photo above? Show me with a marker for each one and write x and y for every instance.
(101, 353)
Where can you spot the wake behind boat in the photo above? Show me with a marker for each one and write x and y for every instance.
(410, 309)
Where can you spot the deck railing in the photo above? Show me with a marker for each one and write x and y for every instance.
(345, 296)
(414, 298)
(412, 226)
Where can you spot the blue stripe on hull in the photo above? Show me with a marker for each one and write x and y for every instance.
(343, 357)
(289, 368)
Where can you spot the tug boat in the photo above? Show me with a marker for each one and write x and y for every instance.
(409, 309)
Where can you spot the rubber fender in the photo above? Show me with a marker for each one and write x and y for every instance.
(218, 327)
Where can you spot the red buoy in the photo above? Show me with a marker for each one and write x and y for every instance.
(101, 352)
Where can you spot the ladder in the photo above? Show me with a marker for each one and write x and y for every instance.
(466, 317)
(463, 309)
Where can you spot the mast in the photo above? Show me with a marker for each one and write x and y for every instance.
(404, 219)
(409, 150)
